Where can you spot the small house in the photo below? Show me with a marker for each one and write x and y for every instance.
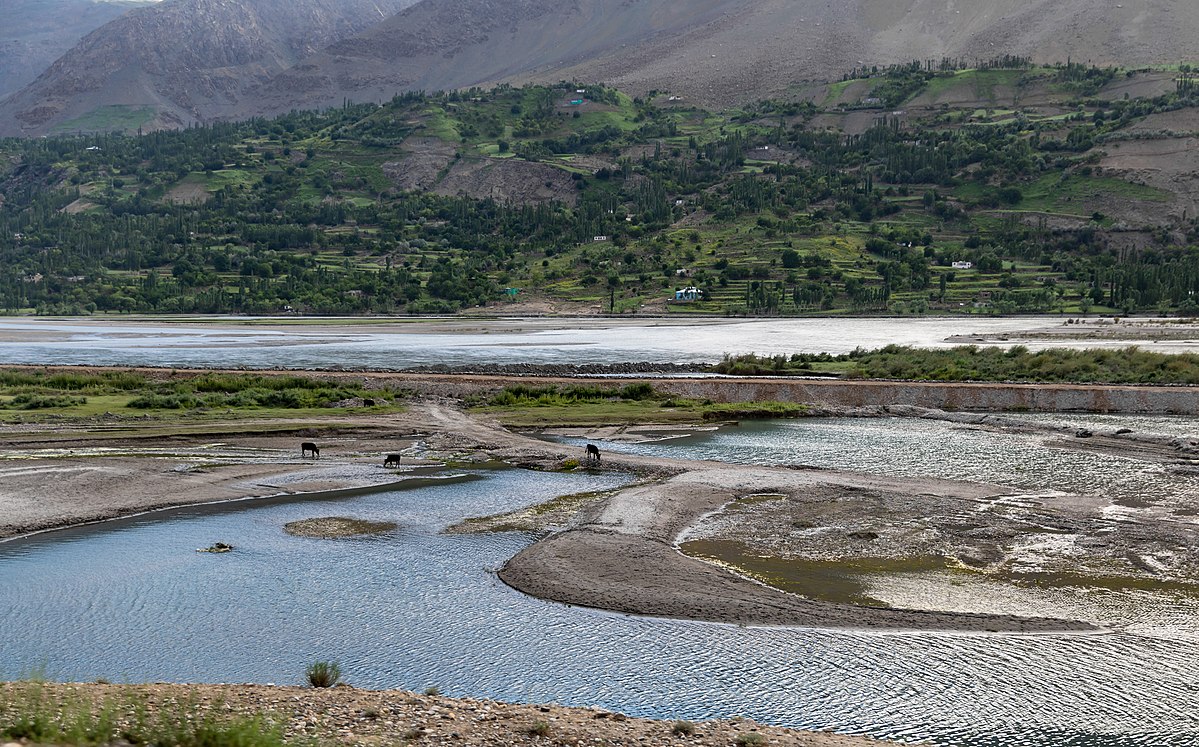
(599, 238)
(691, 293)
(962, 265)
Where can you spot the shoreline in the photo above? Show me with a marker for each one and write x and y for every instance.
(354, 717)
(218, 504)
(620, 551)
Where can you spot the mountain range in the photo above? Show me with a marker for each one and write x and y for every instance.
(37, 32)
(186, 61)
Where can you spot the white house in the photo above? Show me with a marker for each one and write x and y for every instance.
(962, 265)
(691, 293)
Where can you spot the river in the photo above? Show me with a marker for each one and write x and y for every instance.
(131, 600)
(397, 343)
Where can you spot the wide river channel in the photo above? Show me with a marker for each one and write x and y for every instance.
(131, 600)
(390, 344)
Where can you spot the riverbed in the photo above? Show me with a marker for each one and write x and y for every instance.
(391, 344)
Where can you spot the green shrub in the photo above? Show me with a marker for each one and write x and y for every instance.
(41, 402)
(539, 728)
(323, 673)
(162, 402)
(750, 739)
(639, 391)
(683, 729)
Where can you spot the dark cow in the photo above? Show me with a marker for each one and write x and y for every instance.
(593, 452)
(392, 460)
(308, 446)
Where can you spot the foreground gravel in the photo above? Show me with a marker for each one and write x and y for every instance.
(349, 716)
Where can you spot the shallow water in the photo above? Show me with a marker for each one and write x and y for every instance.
(929, 448)
(132, 601)
(415, 343)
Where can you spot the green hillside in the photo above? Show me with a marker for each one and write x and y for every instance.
(1044, 186)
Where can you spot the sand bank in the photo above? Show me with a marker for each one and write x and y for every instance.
(625, 558)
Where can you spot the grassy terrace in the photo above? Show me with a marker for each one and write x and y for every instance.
(971, 363)
(528, 407)
(36, 397)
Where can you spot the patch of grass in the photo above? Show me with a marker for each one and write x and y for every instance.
(432, 691)
(751, 410)
(840, 581)
(218, 180)
(1076, 195)
(58, 394)
(41, 402)
(682, 729)
(115, 118)
(750, 739)
(539, 728)
(1064, 579)
(337, 526)
(1129, 365)
(557, 511)
(31, 713)
(323, 673)
(592, 413)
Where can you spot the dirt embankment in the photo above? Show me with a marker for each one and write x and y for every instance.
(1094, 398)
(368, 718)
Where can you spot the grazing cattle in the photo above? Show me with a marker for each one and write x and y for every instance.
(593, 452)
(308, 446)
(392, 460)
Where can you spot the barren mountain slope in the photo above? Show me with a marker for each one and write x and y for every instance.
(440, 44)
(209, 59)
(184, 59)
(35, 32)
(767, 49)
(719, 51)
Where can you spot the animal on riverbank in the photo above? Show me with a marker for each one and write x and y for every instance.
(392, 460)
(593, 452)
(307, 447)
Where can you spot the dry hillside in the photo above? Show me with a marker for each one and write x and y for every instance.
(37, 32)
(192, 60)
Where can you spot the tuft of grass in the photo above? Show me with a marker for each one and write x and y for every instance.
(323, 673)
(432, 691)
(31, 714)
(750, 739)
(683, 729)
(539, 728)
